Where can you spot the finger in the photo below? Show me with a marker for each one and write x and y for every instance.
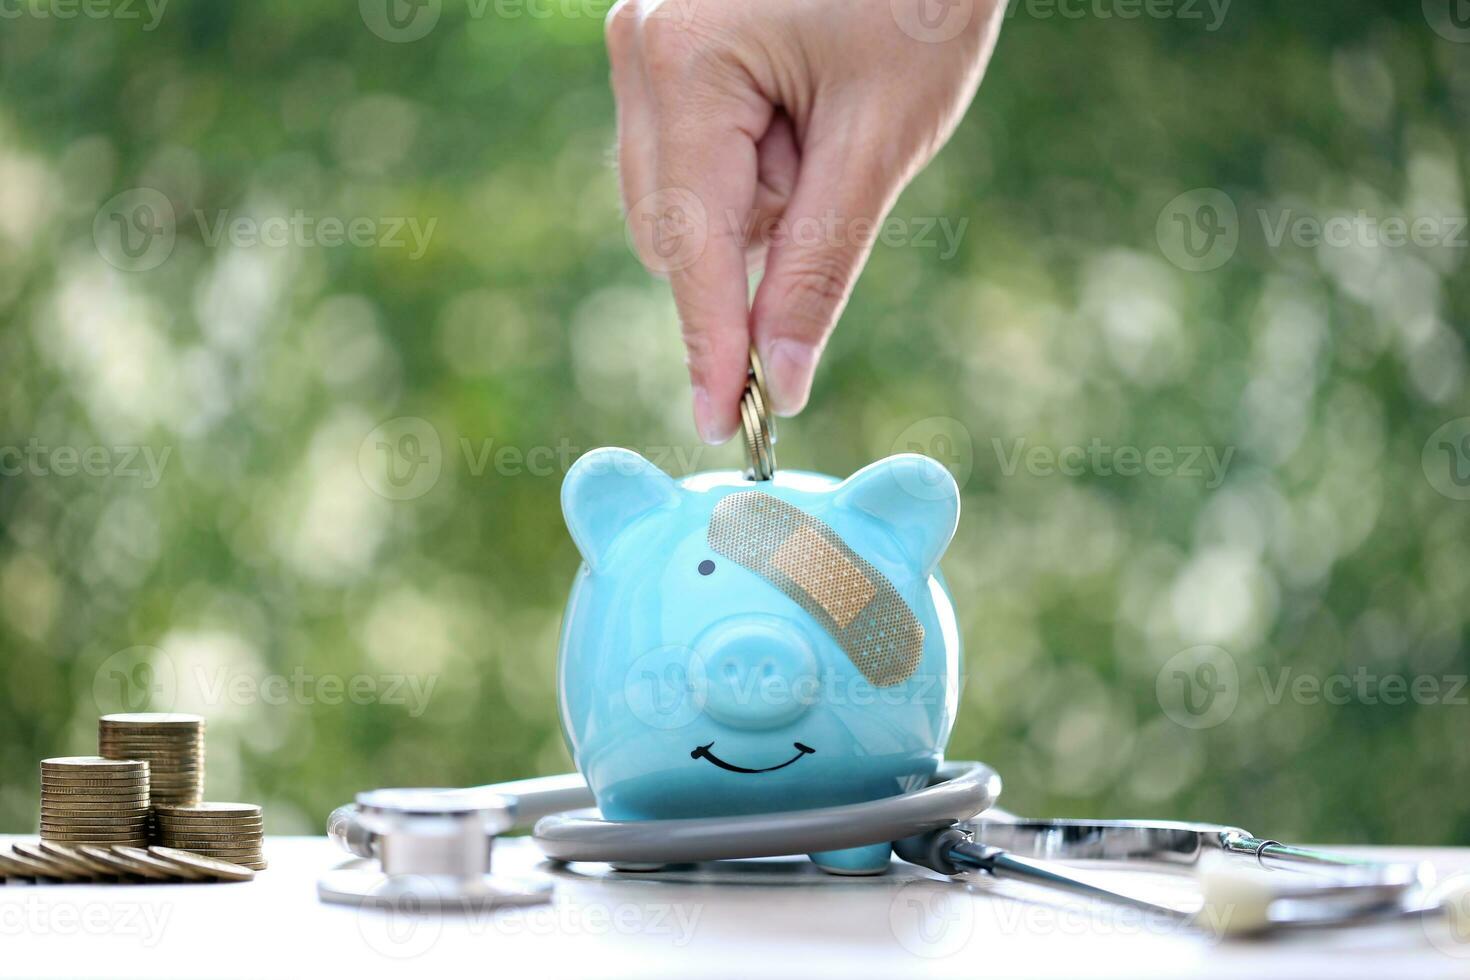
(715, 173)
(634, 111)
(842, 192)
(707, 123)
(777, 163)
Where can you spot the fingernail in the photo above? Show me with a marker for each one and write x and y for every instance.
(704, 418)
(790, 365)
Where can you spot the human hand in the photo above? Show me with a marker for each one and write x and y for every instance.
(778, 134)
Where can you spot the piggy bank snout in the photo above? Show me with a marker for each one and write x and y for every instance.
(760, 671)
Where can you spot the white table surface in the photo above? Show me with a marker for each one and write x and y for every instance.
(757, 920)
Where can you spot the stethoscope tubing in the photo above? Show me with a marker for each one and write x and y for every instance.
(951, 826)
(959, 790)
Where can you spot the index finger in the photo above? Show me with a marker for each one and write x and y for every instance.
(705, 167)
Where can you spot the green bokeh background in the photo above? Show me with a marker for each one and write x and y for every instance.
(265, 550)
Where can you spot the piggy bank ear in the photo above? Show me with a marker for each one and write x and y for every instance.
(605, 491)
(915, 496)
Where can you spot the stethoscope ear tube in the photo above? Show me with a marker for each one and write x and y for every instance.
(958, 791)
(350, 833)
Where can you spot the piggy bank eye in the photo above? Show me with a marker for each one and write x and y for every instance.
(706, 567)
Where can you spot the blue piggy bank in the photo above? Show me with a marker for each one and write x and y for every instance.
(732, 647)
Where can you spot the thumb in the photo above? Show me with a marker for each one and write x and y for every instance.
(820, 246)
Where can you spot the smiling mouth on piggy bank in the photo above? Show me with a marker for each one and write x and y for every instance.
(703, 752)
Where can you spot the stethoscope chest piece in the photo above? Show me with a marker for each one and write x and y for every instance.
(433, 851)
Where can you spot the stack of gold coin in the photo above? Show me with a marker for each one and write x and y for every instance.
(231, 832)
(90, 800)
(172, 745)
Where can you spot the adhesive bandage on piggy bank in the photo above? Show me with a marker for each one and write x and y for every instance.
(806, 560)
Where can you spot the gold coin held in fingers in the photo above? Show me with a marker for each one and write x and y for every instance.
(759, 459)
(747, 428)
(758, 374)
(758, 422)
(765, 434)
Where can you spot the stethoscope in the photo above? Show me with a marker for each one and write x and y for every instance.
(432, 848)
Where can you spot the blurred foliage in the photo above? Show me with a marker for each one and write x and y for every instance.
(263, 549)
